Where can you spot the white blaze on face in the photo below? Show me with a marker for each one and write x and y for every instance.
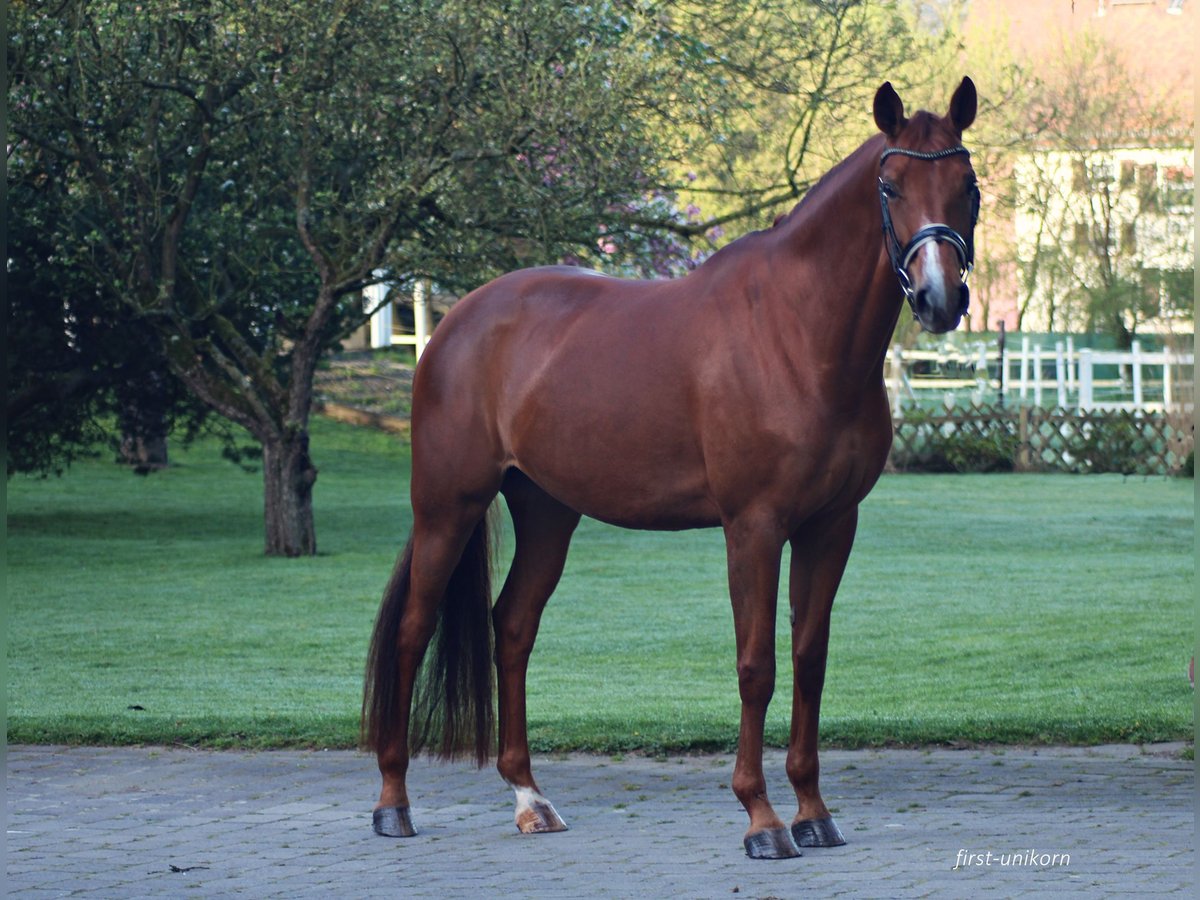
(934, 277)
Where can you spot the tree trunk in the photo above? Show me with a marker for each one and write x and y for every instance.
(144, 453)
(288, 478)
(143, 421)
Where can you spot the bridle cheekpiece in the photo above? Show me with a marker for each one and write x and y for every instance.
(902, 255)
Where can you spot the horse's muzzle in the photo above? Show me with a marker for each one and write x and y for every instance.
(940, 311)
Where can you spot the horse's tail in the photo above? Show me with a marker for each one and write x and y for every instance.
(452, 709)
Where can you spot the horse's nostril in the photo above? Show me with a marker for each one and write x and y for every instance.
(964, 299)
(921, 302)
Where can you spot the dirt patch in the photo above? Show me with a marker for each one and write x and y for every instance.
(376, 384)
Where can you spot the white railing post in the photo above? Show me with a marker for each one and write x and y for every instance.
(1037, 376)
(381, 318)
(1060, 375)
(1136, 363)
(1024, 383)
(421, 314)
(897, 372)
(1004, 386)
(1085, 380)
(1168, 390)
(982, 381)
(1070, 363)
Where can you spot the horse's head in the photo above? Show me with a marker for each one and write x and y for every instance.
(930, 202)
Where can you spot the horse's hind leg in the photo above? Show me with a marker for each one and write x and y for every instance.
(440, 544)
(819, 555)
(543, 529)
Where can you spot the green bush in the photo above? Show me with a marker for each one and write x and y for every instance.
(983, 439)
(995, 450)
(1114, 445)
(969, 445)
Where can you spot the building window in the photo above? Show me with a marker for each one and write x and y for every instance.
(1101, 172)
(1128, 239)
(1147, 185)
(1078, 175)
(1178, 188)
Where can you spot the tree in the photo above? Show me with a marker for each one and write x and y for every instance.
(77, 362)
(1106, 217)
(233, 176)
(236, 175)
(786, 94)
(999, 140)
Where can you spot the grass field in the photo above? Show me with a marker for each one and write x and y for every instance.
(999, 608)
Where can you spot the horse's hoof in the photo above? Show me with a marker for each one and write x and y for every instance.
(772, 843)
(539, 817)
(393, 821)
(817, 833)
(536, 814)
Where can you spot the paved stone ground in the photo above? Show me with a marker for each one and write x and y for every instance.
(155, 822)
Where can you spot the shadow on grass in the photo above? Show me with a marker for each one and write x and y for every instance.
(133, 525)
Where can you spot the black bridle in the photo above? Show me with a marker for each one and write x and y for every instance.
(902, 256)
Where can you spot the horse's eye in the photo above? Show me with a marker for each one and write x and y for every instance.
(889, 190)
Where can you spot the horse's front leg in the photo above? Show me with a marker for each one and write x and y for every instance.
(819, 554)
(754, 550)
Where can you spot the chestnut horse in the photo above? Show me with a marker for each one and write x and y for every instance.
(747, 395)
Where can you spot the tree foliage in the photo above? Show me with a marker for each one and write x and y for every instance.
(217, 182)
(789, 94)
(1090, 110)
(81, 368)
(234, 176)
(1071, 152)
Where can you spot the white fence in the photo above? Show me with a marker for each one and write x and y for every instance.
(382, 326)
(1060, 377)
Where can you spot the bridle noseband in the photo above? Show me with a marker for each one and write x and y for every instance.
(902, 256)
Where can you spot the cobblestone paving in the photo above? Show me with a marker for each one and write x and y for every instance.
(153, 822)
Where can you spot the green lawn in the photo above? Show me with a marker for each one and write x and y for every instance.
(976, 608)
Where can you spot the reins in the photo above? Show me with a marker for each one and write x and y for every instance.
(902, 256)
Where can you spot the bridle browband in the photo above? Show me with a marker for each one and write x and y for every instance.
(902, 256)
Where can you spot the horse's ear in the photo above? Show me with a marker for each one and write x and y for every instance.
(962, 105)
(889, 110)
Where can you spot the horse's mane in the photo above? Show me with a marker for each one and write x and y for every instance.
(832, 176)
(818, 190)
(919, 132)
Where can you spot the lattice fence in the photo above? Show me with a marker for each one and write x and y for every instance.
(989, 439)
